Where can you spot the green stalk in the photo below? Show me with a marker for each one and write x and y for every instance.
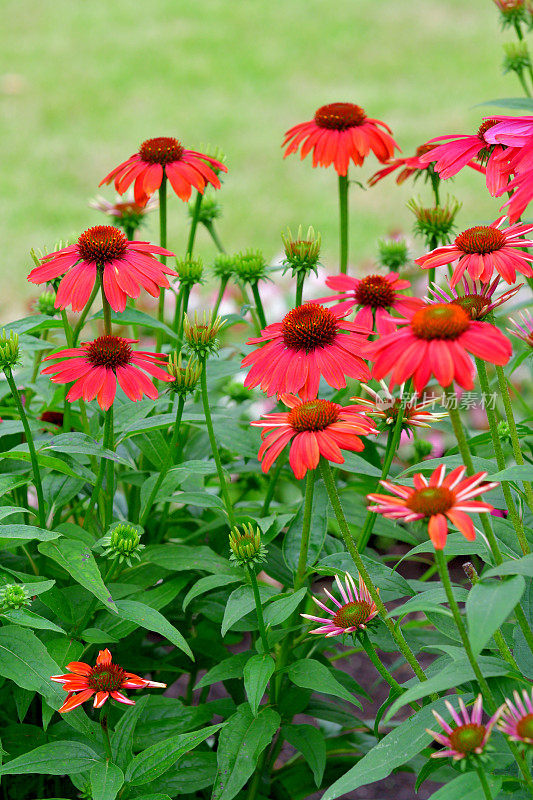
(396, 634)
(515, 442)
(343, 222)
(66, 404)
(301, 569)
(194, 223)
(380, 667)
(168, 461)
(110, 471)
(30, 394)
(163, 259)
(214, 236)
(108, 434)
(274, 475)
(483, 781)
(105, 734)
(184, 308)
(300, 278)
(259, 304)
(214, 448)
(258, 607)
(31, 446)
(222, 289)
(83, 315)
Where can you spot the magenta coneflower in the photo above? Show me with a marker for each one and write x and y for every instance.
(482, 250)
(524, 331)
(517, 717)
(317, 428)
(353, 614)
(476, 298)
(125, 267)
(311, 341)
(165, 156)
(375, 296)
(439, 500)
(468, 736)
(96, 366)
(340, 133)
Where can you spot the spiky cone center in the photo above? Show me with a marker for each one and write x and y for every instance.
(475, 305)
(315, 415)
(480, 239)
(125, 539)
(302, 253)
(106, 678)
(161, 150)
(484, 127)
(524, 728)
(430, 501)
(109, 351)
(467, 739)
(308, 327)
(339, 116)
(422, 149)
(190, 271)
(440, 321)
(102, 244)
(352, 615)
(375, 291)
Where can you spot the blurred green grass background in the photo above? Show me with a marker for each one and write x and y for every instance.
(83, 82)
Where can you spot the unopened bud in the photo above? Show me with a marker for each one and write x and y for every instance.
(202, 336)
(251, 267)
(184, 378)
(190, 271)
(210, 209)
(224, 266)
(301, 252)
(437, 223)
(470, 572)
(516, 57)
(9, 350)
(46, 304)
(123, 542)
(393, 253)
(246, 547)
(14, 596)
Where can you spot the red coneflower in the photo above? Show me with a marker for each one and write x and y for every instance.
(338, 133)
(353, 614)
(104, 680)
(413, 165)
(96, 366)
(316, 427)
(438, 500)
(481, 250)
(161, 156)
(386, 407)
(125, 266)
(477, 298)
(308, 343)
(376, 296)
(436, 341)
(468, 736)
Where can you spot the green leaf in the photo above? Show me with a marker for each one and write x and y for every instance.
(26, 532)
(468, 787)
(429, 601)
(241, 602)
(311, 674)
(207, 584)
(77, 559)
(51, 462)
(132, 316)
(81, 444)
(199, 499)
(152, 620)
(240, 744)
(394, 750)
(488, 605)
(56, 758)
(282, 607)
(232, 667)
(180, 558)
(515, 566)
(358, 465)
(317, 534)
(456, 545)
(6, 511)
(257, 672)
(106, 780)
(21, 616)
(311, 744)
(522, 103)
(155, 760)
(517, 472)
(122, 739)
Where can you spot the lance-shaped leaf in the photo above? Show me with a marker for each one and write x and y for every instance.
(77, 559)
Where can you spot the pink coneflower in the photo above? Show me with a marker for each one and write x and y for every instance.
(353, 614)
(316, 428)
(438, 500)
(165, 156)
(96, 366)
(338, 134)
(524, 331)
(409, 166)
(482, 250)
(477, 298)
(125, 266)
(517, 717)
(436, 341)
(458, 152)
(468, 736)
(386, 407)
(103, 681)
(375, 296)
(308, 343)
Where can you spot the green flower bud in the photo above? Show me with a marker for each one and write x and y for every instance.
(216, 152)
(123, 542)
(190, 271)
(251, 267)
(9, 350)
(210, 209)
(516, 57)
(422, 449)
(45, 304)
(514, 12)
(14, 596)
(504, 431)
(202, 337)
(184, 379)
(224, 266)
(246, 547)
(435, 224)
(301, 254)
(392, 253)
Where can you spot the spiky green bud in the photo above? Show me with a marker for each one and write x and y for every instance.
(437, 223)
(46, 304)
(393, 253)
(516, 57)
(224, 266)
(301, 253)
(123, 542)
(251, 267)
(202, 335)
(246, 546)
(14, 596)
(210, 209)
(9, 349)
(190, 271)
(514, 12)
(184, 378)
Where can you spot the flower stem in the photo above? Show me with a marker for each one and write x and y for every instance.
(66, 404)
(258, 607)
(370, 650)
(108, 425)
(222, 289)
(515, 442)
(163, 243)
(214, 447)
(483, 781)
(301, 569)
(214, 236)
(259, 304)
(194, 223)
(105, 734)
(393, 442)
(83, 315)
(300, 278)
(110, 471)
(500, 458)
(274, 475)
(168, 461)
(396, 633)
(343, 222)
(31, 446)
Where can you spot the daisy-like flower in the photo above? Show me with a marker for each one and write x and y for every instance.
(412, 166)
(127, 213)
(104, 680)
(316, 428)
(165, 156)
(340, 133)
(517, 718)
(375, 296)
(468, 736)
(125, 266)
(96, 366)
(311, 341)
(436, 341)
(477, 298)
(441, 499)
(525, 330)
(481, 250)
(353, 614)
(386, 407)
(458, 152)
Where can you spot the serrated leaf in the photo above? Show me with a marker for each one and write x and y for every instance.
(106, 780)
(55, 758)
(488, 605)
(257, 672)
(311, 674)
(311, 744)
(152, 620)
